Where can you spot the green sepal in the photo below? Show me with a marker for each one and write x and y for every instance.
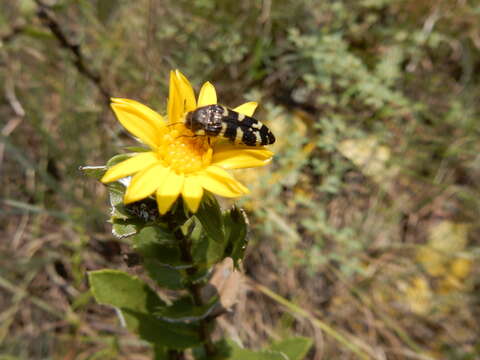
(210, 216)
(232, 243)
(205, 251)
(116, 191)
(136, 149)
(114, 160)
(123, 223)
(128, 219)
(189, 226)
(295, 348)
(95, 172)
(236, 228)
(185, 310)
(137, 303)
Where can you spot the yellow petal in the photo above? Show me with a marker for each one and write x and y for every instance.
(218, 187)
(218, 181)
(136, 123)
(208, 95)
(229, 157)
(175, 102)
(130, 166)
(247, 109)
(220, 173)
(142, 110)
(145, 183)
(168, 192)
(192, 193)
(186, 92)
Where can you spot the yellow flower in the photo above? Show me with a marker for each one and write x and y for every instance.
(178, 162)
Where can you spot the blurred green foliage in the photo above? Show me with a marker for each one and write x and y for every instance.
(375, 107)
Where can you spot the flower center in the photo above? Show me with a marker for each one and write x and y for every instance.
(182, 150)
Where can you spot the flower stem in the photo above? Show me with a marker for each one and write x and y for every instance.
(204, 331)
(175, 355)
(195, 291)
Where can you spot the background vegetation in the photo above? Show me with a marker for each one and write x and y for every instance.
(366, 221)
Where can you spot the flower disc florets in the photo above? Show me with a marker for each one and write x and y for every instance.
(182, 151)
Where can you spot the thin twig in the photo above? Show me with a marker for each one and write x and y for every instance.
(17, 109)
(79, 61)
(12, 99)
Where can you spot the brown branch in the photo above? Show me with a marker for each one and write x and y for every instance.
(78, 60)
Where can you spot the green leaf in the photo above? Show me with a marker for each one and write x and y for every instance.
(205, 251)
(185, 310)
(160, 353)
(137, 303)
(154, 234)
(162, 333)
(119, 289)
(124, 228)
(236, 228)
(210, 216)
(229, 350)
(189, 226)
(129, 219)
(123, 224)
(295, 348)
(157, 242)
(164, 275)
(95, 172)
(244, 354)
(116, 191)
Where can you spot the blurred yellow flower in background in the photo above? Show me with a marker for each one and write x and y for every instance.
(180, 163)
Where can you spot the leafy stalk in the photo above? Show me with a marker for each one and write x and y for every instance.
(195, 289)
